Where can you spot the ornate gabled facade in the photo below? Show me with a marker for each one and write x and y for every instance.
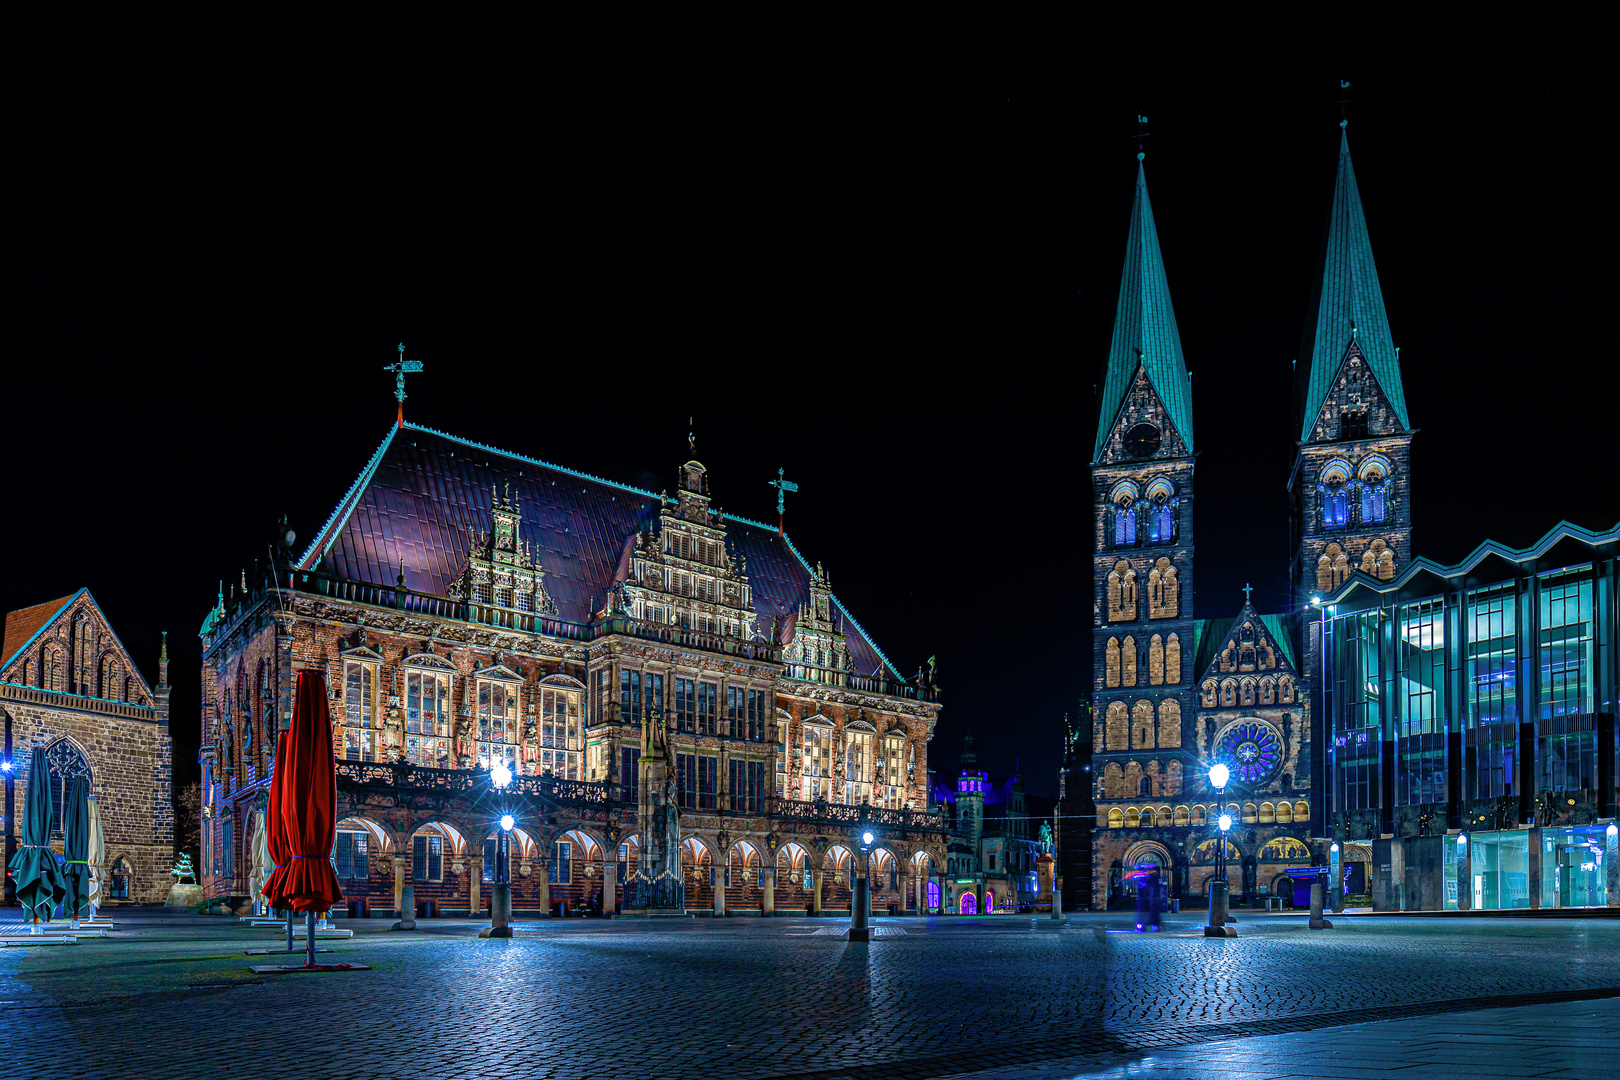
(68, 683)
(692, 717)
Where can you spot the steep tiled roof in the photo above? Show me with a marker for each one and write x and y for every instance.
(1347, 295)
(1283, 635)
(1145, 330)
(415, 500)
(24, 623)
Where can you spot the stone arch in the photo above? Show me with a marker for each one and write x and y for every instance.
(1247, 692)
(1332, 568)
(65, 758)
(1145, 849)
(1172, 780)
(120, 879)
(1229, 693)
(1285, 812)
(1111, 671)
(1208, 690)
(1128, 661)
(1170, 723)
(1285, 689)
(1116, 818)
(1133, 779)
(1119, 726)
(1156, 660)
(1172, 659)
(1133, 817)
(1268, 691)
(1142, 726)
(382, 838)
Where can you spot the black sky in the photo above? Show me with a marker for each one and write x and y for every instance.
(888, 267)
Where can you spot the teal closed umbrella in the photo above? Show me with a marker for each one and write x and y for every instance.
(76, 847)
(39, 880)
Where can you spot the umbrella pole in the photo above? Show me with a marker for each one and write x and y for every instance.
(289, 929)
(311, 939)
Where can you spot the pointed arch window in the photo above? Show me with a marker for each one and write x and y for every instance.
(1128, 658)
(1373, 475)
(63, 762)
(1156, 660)
(1161, 511)
(1333, 488)
(1172, 659)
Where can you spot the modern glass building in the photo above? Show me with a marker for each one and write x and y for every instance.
(1468, 716)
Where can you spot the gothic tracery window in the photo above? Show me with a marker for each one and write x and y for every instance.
(1122, 508)
(1163, 591)
(1122, 593)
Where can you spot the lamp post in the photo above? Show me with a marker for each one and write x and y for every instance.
(860, 899)
(1219, 892)
(500, 900)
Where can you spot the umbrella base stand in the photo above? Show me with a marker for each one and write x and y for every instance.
(291, 969)
(279, 952)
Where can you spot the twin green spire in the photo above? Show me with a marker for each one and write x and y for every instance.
(1349, 307)
(1145, 332)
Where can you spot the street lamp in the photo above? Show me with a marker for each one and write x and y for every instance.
(861, 898)
(500, 900)
(1219, 891)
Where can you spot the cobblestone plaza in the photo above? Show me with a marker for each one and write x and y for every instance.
(1002, 995)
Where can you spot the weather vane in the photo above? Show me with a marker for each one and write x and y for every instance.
(691, 436)
(1141, 136)
(400, 370)
(782, 486)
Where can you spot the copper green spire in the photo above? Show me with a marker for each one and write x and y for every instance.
(1349, 306)
(1145, 332)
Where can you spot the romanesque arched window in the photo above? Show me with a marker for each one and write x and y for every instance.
(1268, 691)
(1246, 691)
(1333, 489)
(1172, 659)
(1128, 661)
(1332, 568)
(1122, 508)
(1285, 689)
(1208, 693)
(111, 682)
(1116, 818)
(1374, 474)
(1142, 726)
(1169, 723)
(1229, 692)
(1378, 561)
(1163, 591)
(1172, 779)
(1122, 593)
(1118, 721)
(1156, 660)
(1111, 662)
(1113, 780)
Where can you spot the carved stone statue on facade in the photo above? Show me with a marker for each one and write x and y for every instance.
(393, 732)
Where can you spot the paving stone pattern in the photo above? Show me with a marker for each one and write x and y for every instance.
(173, 996)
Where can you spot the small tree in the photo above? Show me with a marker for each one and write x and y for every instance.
(188, 818)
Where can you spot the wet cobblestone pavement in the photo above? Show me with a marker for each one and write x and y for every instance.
(1004, 995)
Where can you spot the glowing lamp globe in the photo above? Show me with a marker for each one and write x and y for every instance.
(500, 775)
(866, 838)
(1612, 830)
(1225, 822)
(1334, 846)
(1219, 774)
(5, 765)
(1462, 839)
(506, 822)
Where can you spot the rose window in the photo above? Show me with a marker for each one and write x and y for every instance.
(1253, 752)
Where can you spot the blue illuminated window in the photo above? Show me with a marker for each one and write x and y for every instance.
(1335, 507)
(1124, 526)
(1373, 504)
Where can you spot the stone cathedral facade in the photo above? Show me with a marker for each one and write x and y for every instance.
(633, 657)
(1173, 693)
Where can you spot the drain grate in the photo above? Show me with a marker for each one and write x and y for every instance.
(1102, 1043)
(840, 931)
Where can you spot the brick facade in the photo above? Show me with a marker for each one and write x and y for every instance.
(52, 689)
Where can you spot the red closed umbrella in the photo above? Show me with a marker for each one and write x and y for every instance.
(303, 808)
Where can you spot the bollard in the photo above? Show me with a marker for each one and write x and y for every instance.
(1317, 922)
(859, 899)
(1218, 918)
(407, 908)
(1057, 905)
(500, 912)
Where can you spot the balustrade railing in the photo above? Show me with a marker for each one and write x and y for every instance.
(844, 814)
(405, 776)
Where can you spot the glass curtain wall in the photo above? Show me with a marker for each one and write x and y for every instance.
(1358, 685)
(1500, 868)
(1491, 682)
(1422, 682)
(1572, 870)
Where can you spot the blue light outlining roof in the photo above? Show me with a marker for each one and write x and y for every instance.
(1349, 306)
(1145, 333)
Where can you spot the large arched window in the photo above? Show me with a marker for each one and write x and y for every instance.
(1161, 511)
(63, 762)
(933, 893)
(1373, 474)
(1333, 487)
(1122, 504)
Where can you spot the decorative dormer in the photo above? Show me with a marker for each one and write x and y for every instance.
(818, 651)
(684, 572)
(501, 570)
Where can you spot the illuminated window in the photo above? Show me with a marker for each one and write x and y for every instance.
(818, 761)
(561, 736)
(361, 721)
(858, 763)
(497, 723)
(427, 858)
(349, 855)
(427, 717)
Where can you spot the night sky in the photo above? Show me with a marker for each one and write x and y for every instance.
(890, 271)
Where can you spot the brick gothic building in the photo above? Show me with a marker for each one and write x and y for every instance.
(67, 683)
(472, 606)
(1172, 694)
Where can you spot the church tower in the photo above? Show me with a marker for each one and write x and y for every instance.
(1144, 645)
(1349, 493)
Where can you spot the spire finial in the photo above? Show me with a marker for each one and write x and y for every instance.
(782, 486)
(1141, 136)
(1247, 589)
(400, 370)
(691, 436)
(1344, 103)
